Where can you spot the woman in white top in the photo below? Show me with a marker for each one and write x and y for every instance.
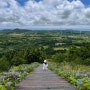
(45, 65)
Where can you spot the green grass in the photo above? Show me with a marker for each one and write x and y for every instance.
(59, 48)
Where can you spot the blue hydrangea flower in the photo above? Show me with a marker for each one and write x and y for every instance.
(78, 74)
(5, 73)
(88, 79)
(83, 75)
(79, 81)
(9, 83)
(88, 73)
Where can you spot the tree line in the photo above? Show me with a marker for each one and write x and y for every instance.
(24, 56)
(78, 55)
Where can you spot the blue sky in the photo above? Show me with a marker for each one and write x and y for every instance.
(22, 2)
(86, 2)
(45, 13)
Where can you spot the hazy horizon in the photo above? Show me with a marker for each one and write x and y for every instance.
(82, 28)
(45, 14)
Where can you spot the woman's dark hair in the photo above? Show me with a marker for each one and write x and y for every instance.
(45, 63)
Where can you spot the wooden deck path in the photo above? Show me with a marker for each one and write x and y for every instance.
(44, 80)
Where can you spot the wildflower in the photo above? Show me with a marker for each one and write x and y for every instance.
(5, 73)
(78, 74)
(83, 75)
(2, 77)
(26, 73)
(9, 83)
(16, 73)
(79, 81)
(33, 64)
(88, 73)
(88, 79)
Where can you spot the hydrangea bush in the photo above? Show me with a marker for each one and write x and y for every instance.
(76, 76)
(8, 80)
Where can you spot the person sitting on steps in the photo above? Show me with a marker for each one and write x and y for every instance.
(45, 65)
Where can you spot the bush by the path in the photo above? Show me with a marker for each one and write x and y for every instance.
(8, 80)
(78, 75)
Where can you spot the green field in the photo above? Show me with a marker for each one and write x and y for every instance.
(17, 39)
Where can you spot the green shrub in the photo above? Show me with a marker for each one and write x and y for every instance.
(17, 61)
(4, 64)
(29, 69)
(58, 57)
(2, 87)
(87, 86)
(86, 61)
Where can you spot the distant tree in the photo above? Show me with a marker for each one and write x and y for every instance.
(35, 55)
(58, 57)
(49, 50)
(17, 61)
(42, 54)
(79, 55)
(71, 53)
(86, 61)
(9, 55)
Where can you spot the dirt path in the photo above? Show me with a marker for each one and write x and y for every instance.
(44, 80)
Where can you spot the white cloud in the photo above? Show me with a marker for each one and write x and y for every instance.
(45, 13)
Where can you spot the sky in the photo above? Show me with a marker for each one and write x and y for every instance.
(45, 14)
